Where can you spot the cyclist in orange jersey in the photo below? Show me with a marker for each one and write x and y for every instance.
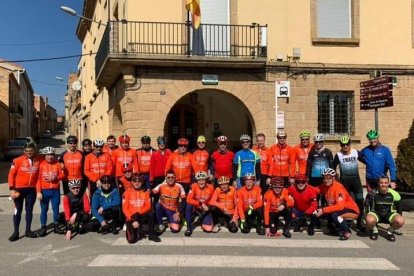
(144, 155)
(277, 202)
(302, 152)
(264, 153)
(72, 161)
(282, 160)
(124, 157)
(223, 204)
(201, 157)
(48, 189)
(110, 145)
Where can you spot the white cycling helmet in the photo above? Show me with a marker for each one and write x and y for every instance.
(328, 171)
(98, 143)
(74, 183)
(48, 150)
(200, 175)
(320, 137)
(245, 137)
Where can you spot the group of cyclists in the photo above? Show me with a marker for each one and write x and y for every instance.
(143, 191)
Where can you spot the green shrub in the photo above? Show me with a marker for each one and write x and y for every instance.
(405, 162)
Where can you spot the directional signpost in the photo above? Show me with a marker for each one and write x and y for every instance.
(377, 93)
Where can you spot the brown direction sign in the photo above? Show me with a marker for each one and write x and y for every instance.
(371, 104)
(376, 93)
(376, 81)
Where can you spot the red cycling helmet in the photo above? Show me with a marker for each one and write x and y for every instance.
(277, 181)
(183, 141)
(124, 138)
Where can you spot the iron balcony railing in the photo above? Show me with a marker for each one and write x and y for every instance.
(180, 39)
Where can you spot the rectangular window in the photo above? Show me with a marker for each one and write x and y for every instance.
(335, 112)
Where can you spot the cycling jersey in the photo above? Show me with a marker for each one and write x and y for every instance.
(135, 201)
(182, 166)
(222, 163)
(197, 196)
(144, 159)
(348, 163)
(170, 195)
(272, 201)
(201, 159)
(226, 201)
(107, 149)
(282, 161)
(301, 157)
(304, 200)
(337, 198)
(318, 160)
(264, 159)
(383, 205)
(124, 183)
(122, 158)
(24, 172)
(378, 161)
(73, 164)
(157, 164)
(75, 204)
(245, 162)
(50, 175)
(97, 166)
(246, 198)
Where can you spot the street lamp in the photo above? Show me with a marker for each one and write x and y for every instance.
(74, 13)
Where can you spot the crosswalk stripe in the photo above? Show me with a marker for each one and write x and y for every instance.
(209, 261)
(265, 242)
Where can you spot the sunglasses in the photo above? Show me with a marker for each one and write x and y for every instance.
(318, 142)
(201, 142)
(71, 143)
(305, 139)
(182, 146)
(98, 147)
(170, 177)
(75, 188)
(245, 142)
(300, 182)
(343, 145)
(281, 138)
(278, 187)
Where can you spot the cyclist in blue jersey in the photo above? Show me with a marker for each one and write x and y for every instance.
(246, 162)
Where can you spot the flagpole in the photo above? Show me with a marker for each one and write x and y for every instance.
(188, 33)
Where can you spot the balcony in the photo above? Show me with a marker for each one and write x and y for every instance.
(162, 44)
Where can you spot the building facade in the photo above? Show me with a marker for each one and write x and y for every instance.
(154, 74)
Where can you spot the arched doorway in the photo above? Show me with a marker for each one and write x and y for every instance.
(208, 112)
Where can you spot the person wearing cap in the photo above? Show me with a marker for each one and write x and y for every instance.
(72, 161)
(340, 206)
(223, 204)
(347, 159)
(159, 161)
(282, 160)
(97, 164)
(222, 161)
(22, 179)
(264, 153)
(76, 209)
(169, 205)
(250, 205)
(197, 208)
(124, 182)
(378, 160)
(110, 145)
(144, 155)
(86, 147)
(301, 151)
(48, 189)
(106, 207)
(245, 162)
(384, 206)
(136, 207)
(277, 203)
(201, 157)
(181, 162)
(319, 159)
(305, 203)
(124, 157)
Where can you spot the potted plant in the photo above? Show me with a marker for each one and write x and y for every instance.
(405, 170)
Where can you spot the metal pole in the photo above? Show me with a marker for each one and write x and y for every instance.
(276, 110)
(188, 33)
(376, 119)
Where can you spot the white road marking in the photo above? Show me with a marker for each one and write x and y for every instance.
(265, 242)
(243, 262)
(46, 253)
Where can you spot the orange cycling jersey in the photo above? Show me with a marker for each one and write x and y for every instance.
(50, 175)
(135, 201)
(124, 183)
(24, 172)
(182, 166)
(73, 162)
(124, 158)
(272, 201)
(301, 157)
(337, 198)
(246, 198)
(144, 159)
(282, 161)
(170, 195)
(225, 201)
(109, 150)
(97, 166)
(200, 160)
(264, 159)
(197, 196)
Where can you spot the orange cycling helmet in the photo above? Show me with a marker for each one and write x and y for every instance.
(124, 138)
(223, 180)
(183, 141)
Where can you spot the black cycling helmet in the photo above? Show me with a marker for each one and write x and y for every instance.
(145, 139)
(86, 142)
(71, 139)
(161, 140)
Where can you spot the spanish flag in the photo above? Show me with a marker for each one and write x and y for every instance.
(193, 6)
